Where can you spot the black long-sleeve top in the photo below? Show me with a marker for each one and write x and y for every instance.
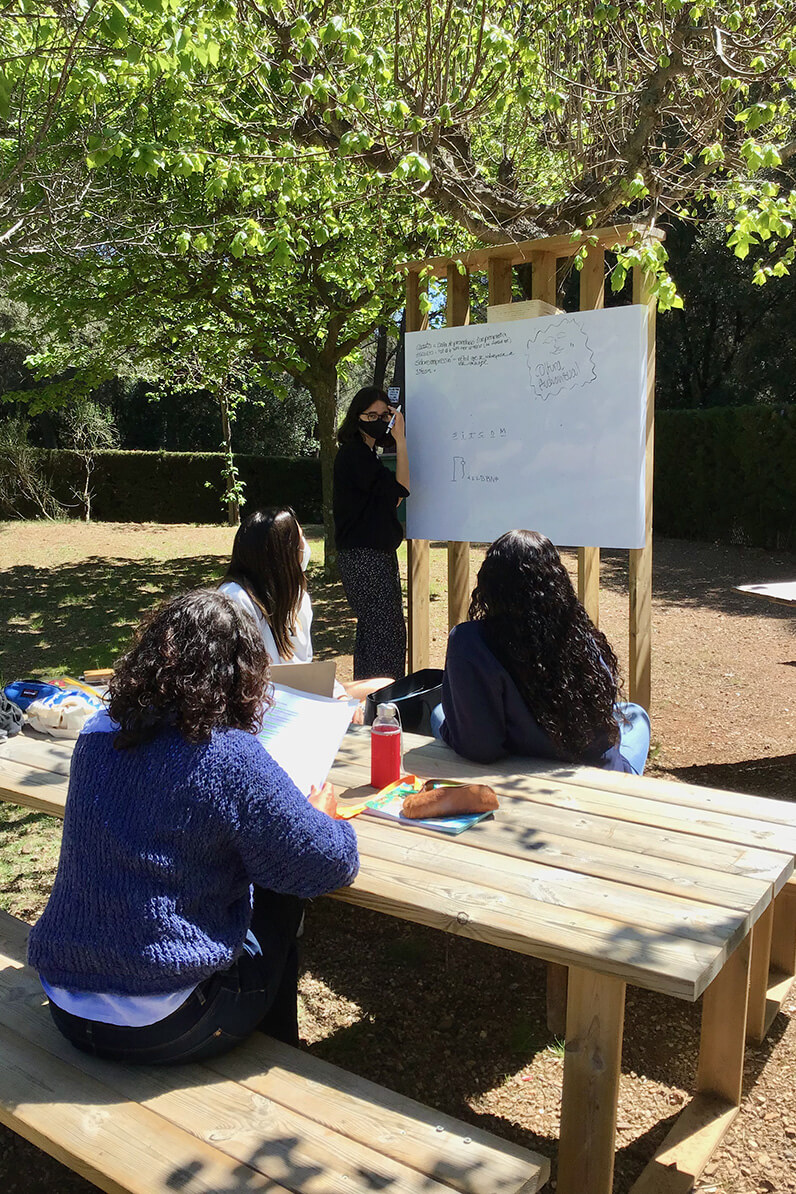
(366, 498)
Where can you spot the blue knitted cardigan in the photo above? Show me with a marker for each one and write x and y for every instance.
(160, 846)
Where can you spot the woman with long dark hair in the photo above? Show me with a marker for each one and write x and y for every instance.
(266, 577)
(368, 531)
(170, 933)
(530, 674)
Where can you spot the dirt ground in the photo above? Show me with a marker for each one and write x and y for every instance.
(454, 1023)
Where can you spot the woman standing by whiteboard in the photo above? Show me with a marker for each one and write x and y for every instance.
(368, 532)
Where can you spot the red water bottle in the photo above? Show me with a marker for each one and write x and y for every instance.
(385, 747)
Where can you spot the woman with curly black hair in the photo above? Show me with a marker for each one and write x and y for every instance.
(530, 674)
(170, 933)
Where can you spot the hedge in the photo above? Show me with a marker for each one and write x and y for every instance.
(727, 474)
(172, 486)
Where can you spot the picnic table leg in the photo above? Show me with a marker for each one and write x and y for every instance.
(592, 1059)
(773, 962)
(703, 1124)
(557, 998)
(783, 939)
(756, 1015)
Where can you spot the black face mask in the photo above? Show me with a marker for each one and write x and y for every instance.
(377, 430)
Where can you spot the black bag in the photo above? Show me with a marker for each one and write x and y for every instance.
(414, 697)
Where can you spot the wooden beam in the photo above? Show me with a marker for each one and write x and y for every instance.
(783, 936)
(543, 278)
(641, 558)
(458, 315)
(499, 278)
(701, 1127)
(757, 1012)
(696, 1134)
(417, 550)
(592, 298)
(592, 1061)
(418, 580)
(721, 1047)
(565, 244)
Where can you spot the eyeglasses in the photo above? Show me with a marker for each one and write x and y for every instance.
(370, 416)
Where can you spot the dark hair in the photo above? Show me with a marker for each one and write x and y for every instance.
(349, 428)
(198, 663)
(265, 562)
(561, 663)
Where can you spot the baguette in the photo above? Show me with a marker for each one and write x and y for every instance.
(449, 800)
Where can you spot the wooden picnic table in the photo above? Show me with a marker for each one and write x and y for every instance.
(672, 887)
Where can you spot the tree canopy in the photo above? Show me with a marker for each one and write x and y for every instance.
(514, 120)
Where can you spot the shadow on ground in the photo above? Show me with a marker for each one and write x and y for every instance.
(705, 575)
(82, 615)
(756, 777)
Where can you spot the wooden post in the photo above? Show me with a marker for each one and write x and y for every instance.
(756, 1015)
(592, 1062)
(458, 314)
(641, 558)
(417, 553)
(499, 276)
(721, 1046)
(543, 286)
(592, 298)
(543, 278)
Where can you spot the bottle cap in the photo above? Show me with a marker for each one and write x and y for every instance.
(387, 711)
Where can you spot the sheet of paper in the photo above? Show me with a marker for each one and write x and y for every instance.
(303, 732)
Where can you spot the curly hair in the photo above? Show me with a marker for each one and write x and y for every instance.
(562, 664)
(198, 663)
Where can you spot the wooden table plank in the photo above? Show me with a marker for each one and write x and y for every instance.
(449, 861)
(665, 963)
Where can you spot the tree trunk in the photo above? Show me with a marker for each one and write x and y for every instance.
(323, 388)
(233, 507)
(380, 363)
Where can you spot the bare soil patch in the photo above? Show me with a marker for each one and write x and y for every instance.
(456, 1024)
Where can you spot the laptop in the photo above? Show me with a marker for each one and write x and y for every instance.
(316, 677)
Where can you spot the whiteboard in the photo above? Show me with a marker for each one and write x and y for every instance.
(538, 423)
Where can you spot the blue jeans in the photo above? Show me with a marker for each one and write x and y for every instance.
(254, 993)
(634, 733)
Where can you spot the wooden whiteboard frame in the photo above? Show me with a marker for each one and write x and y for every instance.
(498, 262)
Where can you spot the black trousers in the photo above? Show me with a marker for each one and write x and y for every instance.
(372, 585)
(255, 993)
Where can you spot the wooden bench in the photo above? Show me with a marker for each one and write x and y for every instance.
(263, 1117)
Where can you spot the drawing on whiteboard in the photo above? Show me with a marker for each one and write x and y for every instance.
(467, 353)
(560, 358)
(461, 472)
(489, 433)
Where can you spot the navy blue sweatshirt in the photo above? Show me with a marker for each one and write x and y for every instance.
(486, 717)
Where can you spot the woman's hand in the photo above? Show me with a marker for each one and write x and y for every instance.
(324, 799)
(398, 429)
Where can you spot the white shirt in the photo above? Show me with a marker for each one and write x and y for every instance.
(300, 640)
